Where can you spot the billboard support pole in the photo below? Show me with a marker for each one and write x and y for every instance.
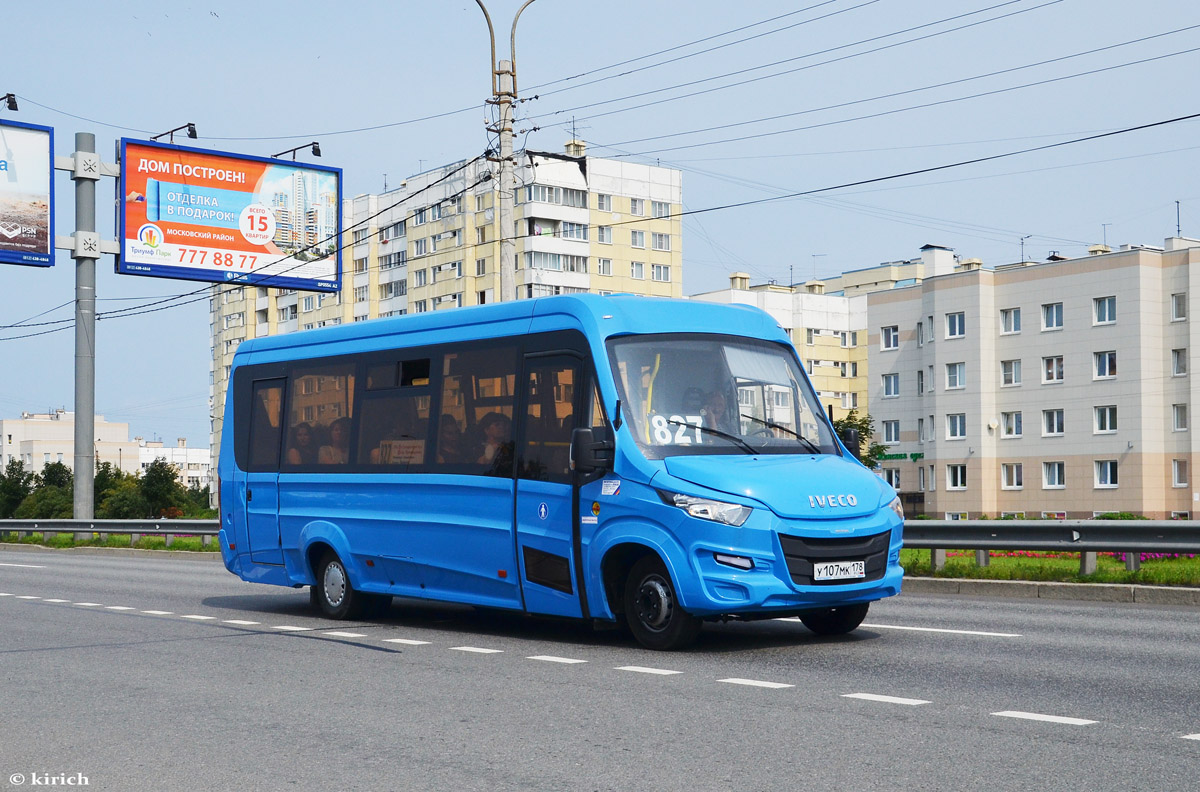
(86, 251)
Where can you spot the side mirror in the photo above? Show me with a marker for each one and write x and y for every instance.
(850, 439)
(591, 449)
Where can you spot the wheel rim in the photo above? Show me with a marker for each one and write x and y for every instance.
(335, 584)
(654, 603)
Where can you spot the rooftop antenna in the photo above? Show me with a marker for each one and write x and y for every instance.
(385, 182)
(816, 256)
(1027, 236)
(1104, 231)
(1178, 231)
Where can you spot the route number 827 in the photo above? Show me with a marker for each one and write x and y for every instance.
(668, 430)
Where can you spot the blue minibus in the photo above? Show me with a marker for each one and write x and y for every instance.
(619, 459)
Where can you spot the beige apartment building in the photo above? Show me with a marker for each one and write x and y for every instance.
(582, 224)
(1060, 389)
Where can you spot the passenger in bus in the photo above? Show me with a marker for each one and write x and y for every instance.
(302, 447)
(496, 428)
(450, 443)
(338, 450)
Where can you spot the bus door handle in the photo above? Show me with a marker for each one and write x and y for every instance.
(249, 496)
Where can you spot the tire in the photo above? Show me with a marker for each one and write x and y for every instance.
(333, 593)
(652, 610)
(835, 621)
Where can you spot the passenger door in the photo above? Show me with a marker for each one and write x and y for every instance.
(262, 471)
(547, 536)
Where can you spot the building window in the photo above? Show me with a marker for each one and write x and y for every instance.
(1179, 473)
(956, 478)
(419, 278)
(1052, 423)
(637, 239)
(1052, 316)
(1052, 369)
(1106, 474)
(956, 426)
(637, 269)
(287, 313)
(1012, 476)
(1010, 423)
(920, 334)
(1179, 415)
(932, 479)
(360, 264)
(420, 246)
(809, 336)
(1104, 309)
(920, 478)
(603, 202)
(660, 272)
(955, 375)
(361, 294)
(891, 385)
(637, 207)
(956, 325)
(891, 431)
(1010, 372)
(1179, 362)
(849, 401)
(1106, 419)
(892, 477)
(920, 430)
(890, 337)
(480, 267)
(1178, 307)
(604, 235)
(660, 241)
(1010, 320)
(920, 382)
(604, 266)
(1106, 365)
(1054, 475)
(660, 209)
(574, 231)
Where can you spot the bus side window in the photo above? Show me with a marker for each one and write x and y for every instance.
(321, 406)
(549, 419)
(478, 398)
(265, 425)
(393, 429)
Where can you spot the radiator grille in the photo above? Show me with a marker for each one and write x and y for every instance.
(801, 552)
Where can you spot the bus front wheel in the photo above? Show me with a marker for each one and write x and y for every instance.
(835, 621)
(652, 610)
(333, 593)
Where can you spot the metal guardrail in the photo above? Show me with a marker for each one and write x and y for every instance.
(83, 529)
(1087, 537)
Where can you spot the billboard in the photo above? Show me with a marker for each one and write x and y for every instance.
(214, 216)
(26, 194)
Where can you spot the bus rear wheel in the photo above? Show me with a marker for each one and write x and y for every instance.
(652, 610)
(836, 621)
(333, 593)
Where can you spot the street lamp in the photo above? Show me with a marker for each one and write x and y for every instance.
(190, 127)
(504, 93)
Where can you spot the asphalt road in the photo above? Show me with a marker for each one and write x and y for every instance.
(162, 674)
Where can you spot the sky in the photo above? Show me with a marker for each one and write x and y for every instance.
(809, 114)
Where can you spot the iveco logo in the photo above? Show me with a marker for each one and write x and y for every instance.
(831, 501)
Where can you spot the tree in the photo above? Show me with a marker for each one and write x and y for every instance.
(869, 452)
(16, 484)
(108, 476)
(56, 474)
(163, 493)
(124, 501)
(47, 503)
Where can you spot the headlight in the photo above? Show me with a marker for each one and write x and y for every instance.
(718, 511)
(897, 507)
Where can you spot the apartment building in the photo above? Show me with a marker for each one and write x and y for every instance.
(38, 439)
(581, 224)
(828, 330)
(1060, 389)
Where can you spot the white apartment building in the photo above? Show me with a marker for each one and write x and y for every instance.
(582, 224)
(38, 439)
(1061, 389)
(192, 465)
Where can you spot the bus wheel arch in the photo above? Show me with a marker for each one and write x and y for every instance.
(639, 586)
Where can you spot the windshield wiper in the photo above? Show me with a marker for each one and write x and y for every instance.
(742, 444)
(782, 428)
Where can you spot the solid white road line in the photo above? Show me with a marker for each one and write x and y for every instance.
(199, 618)
(118, 607)
(405, 641)
(1047, 718)
(25, 566)
(885, 699)
(553, 659)
(475, 649)
(755, 683)
(160, 613)
(239, 621)
(291, 628)
(345, 634)
(1191, 736)
(644, 670)
(941, 630)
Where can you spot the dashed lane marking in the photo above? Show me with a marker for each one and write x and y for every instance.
(885, 699)
(25, 566)
(339, 634)
(89, 604)
(118, 607)
(199, 618)
(1037, 716)
(942, 630)
(1191, 736)
(160, 613)
(553, 659)
(27, 597)
(406, 641)
(291, 628)
(475, 649)
(755, 683)
(56, 600)
(644, 670)
(240, 621)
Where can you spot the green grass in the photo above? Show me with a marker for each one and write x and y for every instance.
(1054, 567)
(185, 543)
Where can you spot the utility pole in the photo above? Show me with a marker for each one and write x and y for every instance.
(504, 94)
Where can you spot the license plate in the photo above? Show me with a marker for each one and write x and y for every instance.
(839, 570)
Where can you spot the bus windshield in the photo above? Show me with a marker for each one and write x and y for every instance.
(698, 393)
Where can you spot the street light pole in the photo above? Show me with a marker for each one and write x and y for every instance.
(504, 94)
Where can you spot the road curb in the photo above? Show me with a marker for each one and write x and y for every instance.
(1085, 592)
(117, 552)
